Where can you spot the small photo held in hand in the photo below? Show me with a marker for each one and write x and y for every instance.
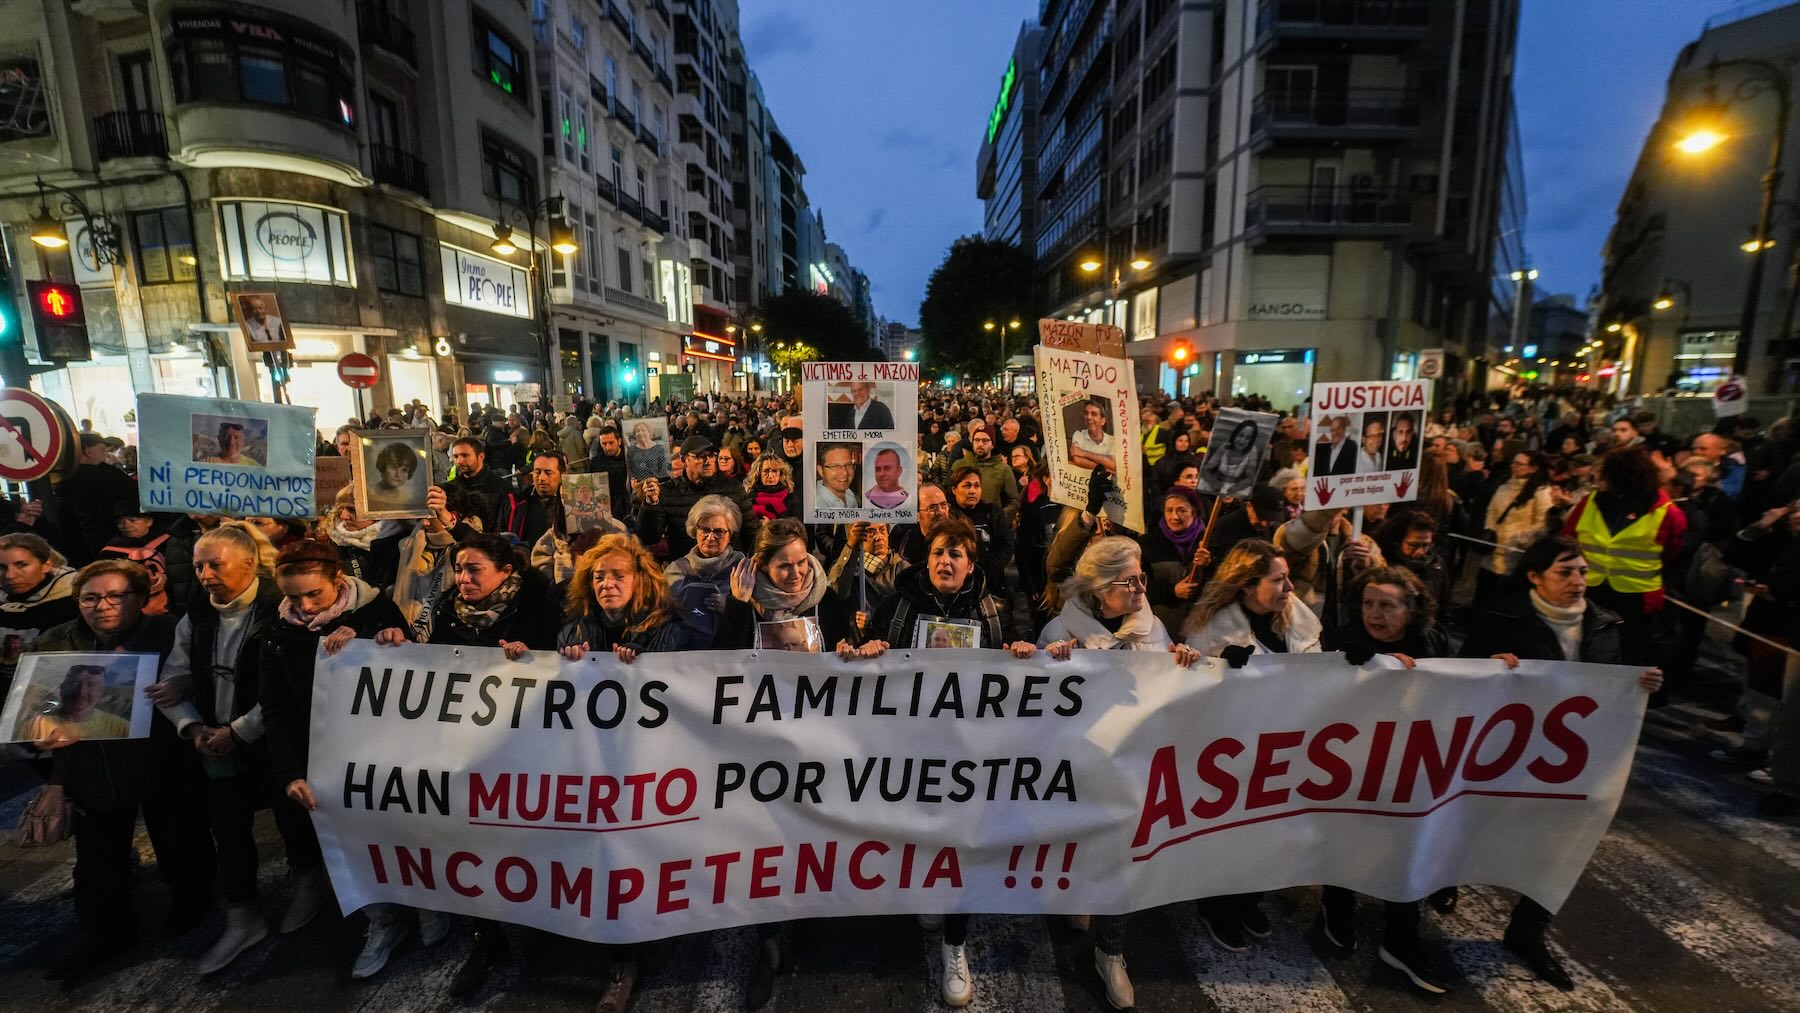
(937, 632)
(587, 503)
(790, 635)
(82, 696)
(392, 473)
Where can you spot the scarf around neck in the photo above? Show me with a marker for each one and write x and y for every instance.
(700, 568)
(362, 538)
(488, 611)
(1184, 541)
(347, 593)
(776, 604)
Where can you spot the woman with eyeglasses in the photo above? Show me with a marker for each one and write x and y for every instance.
(108, 781)
(1248, 608)
(1398, 618)
(771, 488)
(702, 578)
(1105, 608)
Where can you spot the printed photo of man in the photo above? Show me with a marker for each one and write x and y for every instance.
(887, 493)
(1371, 456)
(837, 471)
(231, 442)
(262, 328)
(863, 412)
(1335, 454)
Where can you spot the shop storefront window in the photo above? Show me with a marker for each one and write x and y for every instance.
(263, 61)
(165, 246)
(278, 241)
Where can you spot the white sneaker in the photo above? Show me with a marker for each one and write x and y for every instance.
(1118, 984)
(244, 928)
(307, 900)
(380, 940)
(931, 923)
(433, 927)
(959, 986)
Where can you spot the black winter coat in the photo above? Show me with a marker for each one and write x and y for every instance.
(289, 654)
(534, 619)
(1354, 640)
(203, 620)
(737, 627)
(379, 564)
(670, 635)
(895, 620)
(1512, 626)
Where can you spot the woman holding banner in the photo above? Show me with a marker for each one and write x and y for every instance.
(1105, 609)
(947, 588)
(1546, 615)
(619, 603)
(324, 608)
(1248, 608)
(1399, 619)
(499, 602)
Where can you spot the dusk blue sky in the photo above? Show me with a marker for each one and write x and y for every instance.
(886, 103)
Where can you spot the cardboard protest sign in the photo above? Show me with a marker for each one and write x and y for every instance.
(330, 474)
(696, 791)
(1366, 442)
(1098, 339)
(207, 455)
(1091, 420)
(862, 432)
(1234, 456)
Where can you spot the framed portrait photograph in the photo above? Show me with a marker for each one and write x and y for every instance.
(88, 696)
(936, 631)
(1234, 457)
(392, 473)
(260, 321)
(646, 449)
(229, 439)
(800, 635)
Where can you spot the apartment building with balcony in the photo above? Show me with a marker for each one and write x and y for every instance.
(1006, 166)
(349, 158)
(623, 302)
(1299, 190)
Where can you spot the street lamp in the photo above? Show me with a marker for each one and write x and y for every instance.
(47, 229)
(993, 325)
(1760, 77)
(561, 239)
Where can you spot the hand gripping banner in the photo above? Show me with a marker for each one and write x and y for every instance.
(696, 791)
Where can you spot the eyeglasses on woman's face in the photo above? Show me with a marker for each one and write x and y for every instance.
(113, 599)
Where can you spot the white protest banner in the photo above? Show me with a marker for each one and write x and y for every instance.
(1234, 455)
(1366, 439)
(862, 438)
(695, 791)
(208, 455)
(1091, 420)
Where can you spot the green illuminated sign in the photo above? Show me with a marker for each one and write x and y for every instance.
(1008, 85)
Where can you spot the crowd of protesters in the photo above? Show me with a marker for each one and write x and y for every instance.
(1576, 522)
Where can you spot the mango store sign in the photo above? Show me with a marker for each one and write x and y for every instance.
(475, 282)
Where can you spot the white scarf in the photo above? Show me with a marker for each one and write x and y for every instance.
(1564, 622)
(1140, 631)
(362, 538)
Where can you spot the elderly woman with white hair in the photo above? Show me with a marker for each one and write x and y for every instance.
(713, 523)
(1106, 608)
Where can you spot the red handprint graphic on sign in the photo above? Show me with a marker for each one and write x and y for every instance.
(1405, 483)
(1324, 491)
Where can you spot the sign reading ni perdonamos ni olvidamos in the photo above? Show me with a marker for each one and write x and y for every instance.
(205, 455)
(695, 791)
(1366, 442)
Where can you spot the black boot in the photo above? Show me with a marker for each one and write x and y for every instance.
(762, 976)
(490, 950)
(1528, 944)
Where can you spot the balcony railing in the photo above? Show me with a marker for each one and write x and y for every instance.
(396, 167)
(624, 115)
(641, 50)
(1328, 209)
(618, 17)
(379, 28)
(662, 11)
(130, 134)
(649, 139)
(1355, 15)
(631, 301)
(662, 77)
(631, 206)
(597, 89)
(607, 190)
(1352, 111)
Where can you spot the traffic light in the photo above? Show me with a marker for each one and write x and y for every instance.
(628, 374)
(1180, 354)
(61, 320)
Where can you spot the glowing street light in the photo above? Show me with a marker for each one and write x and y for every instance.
(1699, 142)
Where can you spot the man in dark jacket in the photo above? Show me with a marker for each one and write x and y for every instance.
(475, 477)
(86, 499)
(531, 512)
(610, 461)
(109, 780)
(666, 504)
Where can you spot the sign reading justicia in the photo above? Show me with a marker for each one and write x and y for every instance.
(475, 282)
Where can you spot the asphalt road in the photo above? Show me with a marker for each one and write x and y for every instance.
(1690, 904)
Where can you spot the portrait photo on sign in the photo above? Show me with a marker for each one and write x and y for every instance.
(1335, 445)
(646, 448)
(937, 632)
(587, 503)
(839, 482)
(1090, 427)
(228, 439)
(392, 473)
(260, 321)
(83, 696)
(801, 635)
(1403, 441)
(1371, 449)
(859, 404)
(887, 475)
(1234, 456)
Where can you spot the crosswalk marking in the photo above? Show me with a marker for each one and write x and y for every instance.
(1281, 972)
(1472, 936)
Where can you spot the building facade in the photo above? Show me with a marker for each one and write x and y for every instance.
(1294, 191)
(1674, 287)
(1006, 166)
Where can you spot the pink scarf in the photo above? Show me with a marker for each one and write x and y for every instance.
(346, 598)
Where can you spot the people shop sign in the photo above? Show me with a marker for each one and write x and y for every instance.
(696, 791)
(280, 241)
(476, 282)
(1366, 439)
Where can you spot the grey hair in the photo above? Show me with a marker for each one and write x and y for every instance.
(707, 506)
(1100, 564)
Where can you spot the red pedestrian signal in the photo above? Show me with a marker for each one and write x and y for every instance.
(1180, 354)
(56, 303)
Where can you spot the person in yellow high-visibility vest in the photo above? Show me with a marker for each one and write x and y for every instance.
(1628, 529)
